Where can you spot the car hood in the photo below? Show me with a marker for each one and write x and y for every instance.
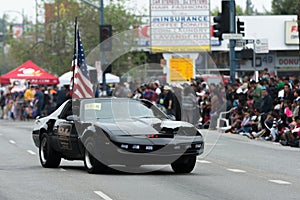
(143, 126)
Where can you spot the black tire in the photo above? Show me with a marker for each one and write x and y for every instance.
(48, 157)
(92, 165)
(184, 164)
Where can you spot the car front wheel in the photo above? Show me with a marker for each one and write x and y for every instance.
(184, 164)
(48, 157)
(91, 164)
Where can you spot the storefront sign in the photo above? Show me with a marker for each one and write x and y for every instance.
(291, 32)
(288, 61)
(180, 25)
(261, 46)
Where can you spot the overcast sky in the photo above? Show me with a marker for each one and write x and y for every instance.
(28, 6)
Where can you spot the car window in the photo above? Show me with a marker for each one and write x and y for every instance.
(67, 110)
(118, 109)
(59, 110)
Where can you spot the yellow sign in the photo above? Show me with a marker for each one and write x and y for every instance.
(181, 69)
(92, 106)
(169, 49)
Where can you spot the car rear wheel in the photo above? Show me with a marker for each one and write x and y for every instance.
(48, 157)
(184, 164)
(91, 164)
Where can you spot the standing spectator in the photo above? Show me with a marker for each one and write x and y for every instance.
(288, 94)
(272, 89)
(39, 98)
(2, 103)
(296, 103)
(189, 106)
(256, 94)
(61, 96)
(29, 94)
(148, 93)
(157, 88)
(169, 101)
(230, 93)
(266, 105)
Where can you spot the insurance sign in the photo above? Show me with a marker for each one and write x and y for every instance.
(179, 25)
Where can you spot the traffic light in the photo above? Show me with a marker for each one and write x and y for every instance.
(240, 27)
(222, 21)
(217, 27)
(105, 34)
(226, 16)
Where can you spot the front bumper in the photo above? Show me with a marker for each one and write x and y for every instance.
(118, 153)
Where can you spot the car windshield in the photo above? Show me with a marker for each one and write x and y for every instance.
(119, 109)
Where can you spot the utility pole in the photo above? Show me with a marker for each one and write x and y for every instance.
(103, 61)
(232, 42)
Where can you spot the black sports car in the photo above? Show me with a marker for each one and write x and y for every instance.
(116, 131)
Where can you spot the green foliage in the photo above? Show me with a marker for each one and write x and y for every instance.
(215, 11)
(239, 10)
(284, 7)
(52, 48)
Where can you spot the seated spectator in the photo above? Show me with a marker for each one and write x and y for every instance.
(236, 119)
(255, 121)
(291, 135)
(245, 125)
(273, 123)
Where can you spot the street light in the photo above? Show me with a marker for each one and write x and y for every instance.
(3, 35)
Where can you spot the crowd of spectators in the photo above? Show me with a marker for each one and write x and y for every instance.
(266, 109)
(30, 102)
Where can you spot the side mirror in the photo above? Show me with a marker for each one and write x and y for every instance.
(72, 118)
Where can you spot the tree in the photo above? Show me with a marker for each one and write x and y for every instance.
(238, 10)
(54, 48)
(284, 7)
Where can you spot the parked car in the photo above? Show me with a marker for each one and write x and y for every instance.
(107, 131)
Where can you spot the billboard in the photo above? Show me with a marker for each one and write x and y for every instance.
(179, 25)
(291, 32)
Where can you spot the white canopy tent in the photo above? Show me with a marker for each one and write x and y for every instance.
(66, 78)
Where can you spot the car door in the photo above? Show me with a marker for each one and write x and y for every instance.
(67, 140)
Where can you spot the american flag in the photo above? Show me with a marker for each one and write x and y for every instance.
(82, 86)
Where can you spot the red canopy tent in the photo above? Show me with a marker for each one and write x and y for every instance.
(31, 72)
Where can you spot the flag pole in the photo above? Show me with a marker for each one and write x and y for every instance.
(75, 56)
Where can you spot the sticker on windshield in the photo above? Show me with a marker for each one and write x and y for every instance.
(92, 106)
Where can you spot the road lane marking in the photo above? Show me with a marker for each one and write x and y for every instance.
(12, 142)
(213, 144)
(203, 161)
(63, 170)
(236, 170)
(104, 196)
(31, 152)
(281, 182)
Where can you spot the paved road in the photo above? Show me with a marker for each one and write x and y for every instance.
(233, 167)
